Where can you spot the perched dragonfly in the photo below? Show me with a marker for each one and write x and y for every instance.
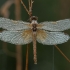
(47, 33)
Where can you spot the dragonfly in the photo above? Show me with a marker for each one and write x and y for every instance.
(47, 32)
(21, 32)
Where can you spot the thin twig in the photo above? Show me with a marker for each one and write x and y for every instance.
(30, 8)
(26, 68)
(24, 6)
(32, 3)
(29, 3)
(62, 53)
(29, 11)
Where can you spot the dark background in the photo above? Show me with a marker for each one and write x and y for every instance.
(49, 58)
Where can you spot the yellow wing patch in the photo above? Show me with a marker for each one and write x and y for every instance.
(41, 34)
(27, 35)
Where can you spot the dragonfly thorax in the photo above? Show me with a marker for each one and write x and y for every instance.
(34, 27)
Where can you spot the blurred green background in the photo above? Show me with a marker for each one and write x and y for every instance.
(49, 58)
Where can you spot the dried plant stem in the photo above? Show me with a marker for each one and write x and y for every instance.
(64, 9)
(62, 53)
(29, 3)
(24, 6)
(26, 68)
(18, 47)
(30, 7)
(17, 10)
(18, 58)
(29, 11)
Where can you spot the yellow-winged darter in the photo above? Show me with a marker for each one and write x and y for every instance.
(47, 33)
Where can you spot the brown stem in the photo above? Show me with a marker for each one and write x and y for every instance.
(62, 53)
(17, 10)
(24, 6)
(18, 58)
(64, 9)
(18, 47)
(26, 68)
(29, 11)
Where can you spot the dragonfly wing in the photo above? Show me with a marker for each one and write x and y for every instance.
(51, 38)
(12, 25)
(60, 25)
(16, 37)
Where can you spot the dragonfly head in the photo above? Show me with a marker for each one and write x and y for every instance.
(33, 18)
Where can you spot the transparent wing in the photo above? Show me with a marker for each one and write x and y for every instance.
(51, 38)
(60, 25)
(16, 37)
(12, 25)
